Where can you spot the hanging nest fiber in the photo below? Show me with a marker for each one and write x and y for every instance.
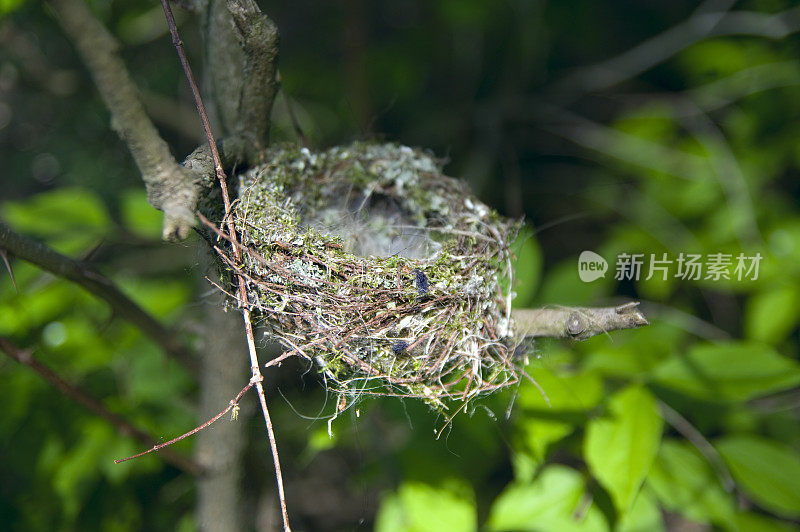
(388, 276)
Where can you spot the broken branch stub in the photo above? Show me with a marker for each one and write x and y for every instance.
(242, 53)
(578, 323)
(171, 187)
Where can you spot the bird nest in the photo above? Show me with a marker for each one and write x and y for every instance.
(390, 277)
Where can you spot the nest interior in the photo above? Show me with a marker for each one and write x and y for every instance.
(387, 275)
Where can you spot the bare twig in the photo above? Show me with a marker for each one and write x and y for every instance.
(578, 323)
(257, 378)
(233, 404)
(25, 357)
(171, 187)
(88, 278)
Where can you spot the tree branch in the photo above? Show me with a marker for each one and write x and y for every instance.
(242, 51)
(232, 405)
(25, 357)
(258, 38)
(95, 283)
(243, 47)
(171, 187)
(255, 368)
(578, 323)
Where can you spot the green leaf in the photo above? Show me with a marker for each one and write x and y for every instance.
(632, 355)
(771, 315)
(524, 466)
(767, 471)
(527, 267)
(556, 500)
(620, 446)
(685, 483)
(536, 435)
(728, 371)
(570, 396)
(716, 58)
(576, 392)
(418, 507)
(9, 6)
(644, 515)
(70, 219)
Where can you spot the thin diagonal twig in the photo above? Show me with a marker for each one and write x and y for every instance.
(234, 402)
(25, 357)
(254, 364)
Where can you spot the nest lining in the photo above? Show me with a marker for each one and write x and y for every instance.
(386, 274)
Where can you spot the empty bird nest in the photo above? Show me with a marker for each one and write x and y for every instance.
(388, 276)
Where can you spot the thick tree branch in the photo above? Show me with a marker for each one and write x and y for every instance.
(85, 276)
(258, 38)
(242, 51)
(578, 323)
(25, 357)
(171, 187)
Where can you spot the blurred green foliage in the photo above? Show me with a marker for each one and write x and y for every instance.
(697, 154)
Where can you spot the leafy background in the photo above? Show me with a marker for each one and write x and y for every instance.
(690, 423)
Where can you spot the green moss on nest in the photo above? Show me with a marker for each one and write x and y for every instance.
(370, 263)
